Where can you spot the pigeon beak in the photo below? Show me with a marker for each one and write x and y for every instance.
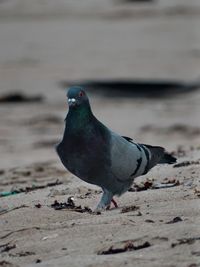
(71, 101)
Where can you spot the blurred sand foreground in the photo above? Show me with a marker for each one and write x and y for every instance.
(42, 44)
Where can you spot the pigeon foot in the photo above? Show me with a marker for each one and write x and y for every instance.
(114, 203)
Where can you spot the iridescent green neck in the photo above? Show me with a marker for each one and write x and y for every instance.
(78, 117)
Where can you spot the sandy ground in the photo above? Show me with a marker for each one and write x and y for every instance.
(38, 51)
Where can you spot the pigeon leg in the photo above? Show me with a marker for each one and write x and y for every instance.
(105, 200)
(114, 203)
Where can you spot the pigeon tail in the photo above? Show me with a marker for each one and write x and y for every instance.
(159, 156)
(167, 158)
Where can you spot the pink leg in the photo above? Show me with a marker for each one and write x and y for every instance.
(114, 203)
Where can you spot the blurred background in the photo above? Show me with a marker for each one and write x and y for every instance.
(139, 61)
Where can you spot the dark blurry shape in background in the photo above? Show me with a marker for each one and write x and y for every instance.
(136, 88)
(18, 97)
(136, 1)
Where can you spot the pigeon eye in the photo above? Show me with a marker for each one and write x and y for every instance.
(81, 93)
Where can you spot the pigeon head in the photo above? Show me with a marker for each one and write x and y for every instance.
(77, 97)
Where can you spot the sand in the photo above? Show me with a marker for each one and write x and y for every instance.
(39, 51)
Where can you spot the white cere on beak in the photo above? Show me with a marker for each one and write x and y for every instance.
(71, 100)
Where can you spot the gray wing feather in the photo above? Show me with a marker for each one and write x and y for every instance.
(128, 160)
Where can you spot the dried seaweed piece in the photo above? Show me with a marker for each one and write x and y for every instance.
(64, 205)
(150, 184)
(197, 191)
(38, 205)
(70, 205)
(149, 221)
(6, 247)
(124, 247)
(23, 254)
(189, 241)
(186, 163)
(129, 208)
(142, 186)
(175, 220)
(70, 201)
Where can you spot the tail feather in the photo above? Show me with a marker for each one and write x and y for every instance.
(159, 156)
(167, 158)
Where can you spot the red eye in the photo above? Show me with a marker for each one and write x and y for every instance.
(81, 93)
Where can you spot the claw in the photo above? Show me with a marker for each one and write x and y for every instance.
(106, 200)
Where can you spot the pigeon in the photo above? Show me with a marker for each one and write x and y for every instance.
(99, 156)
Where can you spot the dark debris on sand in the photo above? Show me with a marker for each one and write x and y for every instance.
(175, 220)
(129, 208)
(189, 241)
(23, 254)
(186, 163)
(70, 205)
(38, 205)
(124, 247)
(150, 184)
(142, 186)
(6, 247)
(197, 191)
